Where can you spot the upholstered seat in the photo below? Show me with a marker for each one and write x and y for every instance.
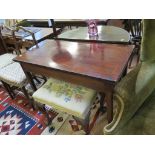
(129, 96)
(13, 75)
(6, 59)
(73, 99)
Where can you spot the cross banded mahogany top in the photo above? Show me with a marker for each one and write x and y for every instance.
(96, 60)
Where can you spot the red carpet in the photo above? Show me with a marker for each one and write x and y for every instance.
(16, 116)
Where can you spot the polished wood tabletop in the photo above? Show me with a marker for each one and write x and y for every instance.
(94, 65)
(105, 34)
(101, 61)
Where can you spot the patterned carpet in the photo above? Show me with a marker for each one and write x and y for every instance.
(18, 118)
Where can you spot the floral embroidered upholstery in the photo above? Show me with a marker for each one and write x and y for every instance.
(73, 99)
(6, 59)
(13, 75)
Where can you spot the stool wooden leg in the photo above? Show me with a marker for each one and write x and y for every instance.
(86, 124)
(49, 121)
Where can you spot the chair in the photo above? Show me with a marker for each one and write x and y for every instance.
(12, 77)
(6, 58)
(134, 96)
(11, 73)
(134, 27)
(51, 24)
(66, 97)
(16, 42)
(24, 23)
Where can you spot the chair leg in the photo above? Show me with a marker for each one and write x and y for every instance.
(11, 90)
(35, 78)
(8, 90)
(25, 92)
(43, 77)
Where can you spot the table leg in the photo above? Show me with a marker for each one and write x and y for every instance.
(125, 71)
(30, 79)
(102, 102)
(109, 100)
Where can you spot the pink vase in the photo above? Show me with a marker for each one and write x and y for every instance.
(92, 27)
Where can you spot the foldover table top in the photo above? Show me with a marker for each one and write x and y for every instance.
(96, 60)
(105, 34)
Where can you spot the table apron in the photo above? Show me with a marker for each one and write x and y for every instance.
(98, 85)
